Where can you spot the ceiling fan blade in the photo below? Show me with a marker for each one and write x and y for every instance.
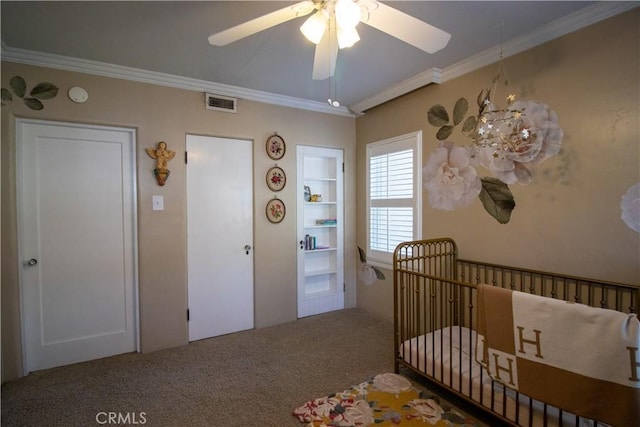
(407, 28)
(261, 23)
(324, 61)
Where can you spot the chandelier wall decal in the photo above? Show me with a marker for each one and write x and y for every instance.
(508, 141)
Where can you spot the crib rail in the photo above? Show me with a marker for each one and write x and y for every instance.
(413, 261)
(595, 293)
(434, 312)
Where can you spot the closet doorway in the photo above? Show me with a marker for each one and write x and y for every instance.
(219, 235)
(77, 242)
(320, 221)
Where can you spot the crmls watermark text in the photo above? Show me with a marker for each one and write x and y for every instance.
(121, 418)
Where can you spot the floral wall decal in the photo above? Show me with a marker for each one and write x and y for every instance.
(368, 273)
(507, 141)
(450, 179)
(630, 206)
(42, 91)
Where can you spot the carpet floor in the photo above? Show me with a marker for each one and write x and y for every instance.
(251, 378)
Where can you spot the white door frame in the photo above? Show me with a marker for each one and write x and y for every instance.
(200, 291)
(20, 214)
(333, 184)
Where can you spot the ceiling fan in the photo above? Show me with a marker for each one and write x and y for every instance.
(332, 26)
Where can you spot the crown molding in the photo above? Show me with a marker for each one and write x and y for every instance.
(432, 75)
(552, 30)
(67, 63)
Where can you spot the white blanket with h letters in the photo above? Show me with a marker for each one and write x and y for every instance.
(578, 358)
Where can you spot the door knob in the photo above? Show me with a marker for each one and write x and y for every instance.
(247, 248)
(31, 262)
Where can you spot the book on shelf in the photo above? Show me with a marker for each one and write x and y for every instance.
(326, 221)
(310, 244)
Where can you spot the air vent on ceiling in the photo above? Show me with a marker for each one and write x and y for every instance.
(221, 103)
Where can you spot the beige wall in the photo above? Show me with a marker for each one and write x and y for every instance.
(166, 114)
(568, 219)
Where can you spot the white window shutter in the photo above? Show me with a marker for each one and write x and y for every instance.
(393, 194)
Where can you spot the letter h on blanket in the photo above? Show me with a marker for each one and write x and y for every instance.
(571, 356)
(635, 363)
(524, 341)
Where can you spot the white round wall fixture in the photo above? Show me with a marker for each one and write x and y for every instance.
(78, 94)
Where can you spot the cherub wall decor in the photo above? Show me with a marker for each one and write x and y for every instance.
(162, 156)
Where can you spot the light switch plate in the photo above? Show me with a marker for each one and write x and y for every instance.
(158, 203)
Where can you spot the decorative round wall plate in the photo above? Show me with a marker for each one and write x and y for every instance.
(276, 179)
(275, 210)
(276, 147)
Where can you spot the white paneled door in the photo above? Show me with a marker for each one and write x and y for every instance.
(77, 218)
(220, 235)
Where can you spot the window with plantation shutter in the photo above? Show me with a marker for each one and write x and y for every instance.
(394, 188)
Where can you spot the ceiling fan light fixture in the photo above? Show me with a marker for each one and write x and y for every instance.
(347, 37)
(315, 26)
(347, 13)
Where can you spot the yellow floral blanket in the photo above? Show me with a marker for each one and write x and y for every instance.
(385, 400)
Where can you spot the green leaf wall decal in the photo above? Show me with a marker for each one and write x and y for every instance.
(444, 132)
(6, 95)
(379, 274)
(363, 256)
(18, 85)
(44, 91)
(33, 103)
(438, 116)
(460, 110)
(41, 91)
(497, 199)
(469, 124)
